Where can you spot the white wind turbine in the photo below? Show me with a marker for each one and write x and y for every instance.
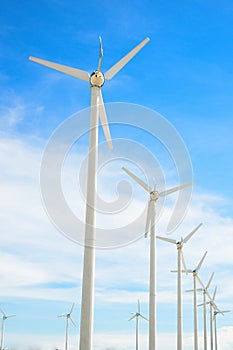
(137, 315)
(180, 261)
(68, 318)
(215, 325)
(205, 293)
(194, 290)
(96, 81)
(4, 318)
(212, 306)
(150, 228)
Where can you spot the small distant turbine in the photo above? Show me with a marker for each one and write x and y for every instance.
(137, 315)
(68, 318)
(4, 318)
(180, 261)
(212, 306)
(215, 325)
(195, 277)
(205, 292)
(150, 228)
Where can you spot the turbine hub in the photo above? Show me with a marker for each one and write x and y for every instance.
(154, 195)
(97, 79)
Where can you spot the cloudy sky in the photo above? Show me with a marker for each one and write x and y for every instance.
(182, 80)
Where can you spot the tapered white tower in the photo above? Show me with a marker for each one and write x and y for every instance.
(150, 228)
(205, 293)
(136, 315)
(215, 326)
(4, 318)
(180, 261)
(96, 81)
(195, 274)
(68, 318)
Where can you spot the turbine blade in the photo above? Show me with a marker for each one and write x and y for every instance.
(201, 262)
(100, 54)
(10, 316)
(201, 304)
(191, 234)
(214, 295)
(210, 280)
(175, 189)
(170, 240)
(104, 120)
(62, 316)
(72, 307)
(72, 321)
(144, 317)
(132, 317)
(120, 64)
(139, 181)
(2, 312)
(138, 306)
(200, 281)
(77, 73)
(183, 262)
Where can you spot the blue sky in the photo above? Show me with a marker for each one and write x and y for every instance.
(185, 73)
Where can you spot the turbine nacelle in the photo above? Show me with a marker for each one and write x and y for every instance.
(97, 79)
(154, 195)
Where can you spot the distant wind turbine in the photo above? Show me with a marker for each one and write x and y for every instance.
(4, 318)
(68, 318)
(96, 81)
(180, 261)
(215, 325)
(150, 228)
(137, 315)
(212, 306)
(195, 275)
(205, 292)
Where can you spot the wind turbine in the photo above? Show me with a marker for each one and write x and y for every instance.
(68, 318)
(137, 315)
(96, 81)
(4, 318)
(180, 261)
(150, 227)
(215, 325)
(205, 292)
(212, 306)
(194, 290)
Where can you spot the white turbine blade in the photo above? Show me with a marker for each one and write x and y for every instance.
(72, 321)
(132, 317)
(189, 290)
(104, 120)
(139, 181)
(191, 234)
(201, 304)
(201, 262)
(183, 262)
(2, 312)
(101, 54)
(175, 189)
(62, 315)
(210, 280)
(200, 281)
(74, 72)
(148, 219)
(144, 317)
(120, 64)
(10, 316)
(72, 307)
(170, 240)
(138, 306)
(214, 295)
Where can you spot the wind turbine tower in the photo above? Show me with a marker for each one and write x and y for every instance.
(68, 318)
(180, 261)
(137, 315)
(4, 318)
(97, 110)
(195, 275)
(150, 228)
